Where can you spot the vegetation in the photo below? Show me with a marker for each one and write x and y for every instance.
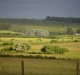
(5, 26)
(63, 19)
(37, 66)
(53, 27)
(36, 32)
(78, 31)
(7, 43)
(9, 33)
(69, 42)
(40, 39)
(19, 47)
(70, 31)
(22, 47)
(53, 49)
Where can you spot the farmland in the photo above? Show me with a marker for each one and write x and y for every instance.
(35, 61)
(36, 45)
(12, 66)
(51, 26)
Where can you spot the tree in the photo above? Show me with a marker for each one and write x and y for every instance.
(78, 31)
(5, 26)
(70, 31)
(36, 32)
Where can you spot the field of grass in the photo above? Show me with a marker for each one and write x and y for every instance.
(51, 26)
(12, 66)
(36, 45)
(7, 31)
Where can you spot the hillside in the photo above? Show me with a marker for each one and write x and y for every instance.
(51, 26)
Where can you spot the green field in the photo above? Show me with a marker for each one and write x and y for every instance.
(7, 31)
(51, 26)
(12, 66)
(60, 64)
(73, 47)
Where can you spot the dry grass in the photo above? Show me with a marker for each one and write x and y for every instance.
(73, 47)
(12, 66)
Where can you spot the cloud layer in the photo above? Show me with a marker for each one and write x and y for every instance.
(39, 9)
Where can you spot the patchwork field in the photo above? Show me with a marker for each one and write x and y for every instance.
(36, 45)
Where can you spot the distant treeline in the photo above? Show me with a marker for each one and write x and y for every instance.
(63, 19)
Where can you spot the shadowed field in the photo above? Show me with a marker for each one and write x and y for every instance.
(12, 66)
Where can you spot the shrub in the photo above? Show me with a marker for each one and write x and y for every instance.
(22, 47)
(7, 43)
(7, 49)
(76, 40)
(47, 49)
(53, 49)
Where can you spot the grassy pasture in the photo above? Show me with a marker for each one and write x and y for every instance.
(12, 66)
(7, 31)
(74, 47)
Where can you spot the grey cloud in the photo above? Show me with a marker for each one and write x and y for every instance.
(39, 8)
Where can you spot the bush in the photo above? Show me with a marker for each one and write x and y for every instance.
(7, 49)
(22, 47)
(7, 43)
(76, 40)
(53, 49)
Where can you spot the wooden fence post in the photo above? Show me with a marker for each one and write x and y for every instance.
(22, 67)
(77, 67)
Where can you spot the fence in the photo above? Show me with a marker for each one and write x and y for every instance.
(40, 67)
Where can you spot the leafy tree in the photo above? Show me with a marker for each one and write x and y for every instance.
(5, 26)
(70, 31)
(36, 32)
(78, 31)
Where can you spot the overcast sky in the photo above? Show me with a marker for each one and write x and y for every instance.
(39, 9)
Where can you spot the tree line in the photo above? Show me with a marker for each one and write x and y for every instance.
(63, 19)
(68, 31)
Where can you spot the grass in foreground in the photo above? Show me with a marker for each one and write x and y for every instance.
(12, 66)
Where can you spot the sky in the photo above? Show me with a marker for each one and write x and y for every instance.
(39, 9)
